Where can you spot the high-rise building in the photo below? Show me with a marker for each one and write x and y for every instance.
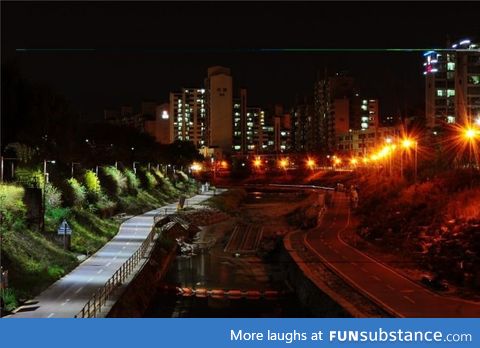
(240, 123)
(189, 114)
(218, 85)
(333, 111)
(302, 112)
(452, 84)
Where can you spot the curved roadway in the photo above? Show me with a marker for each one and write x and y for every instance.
(385, 286)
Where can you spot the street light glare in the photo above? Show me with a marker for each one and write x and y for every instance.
(407, 143)
(310, 163)
(257, 162)
(470, 133)
(283, 163)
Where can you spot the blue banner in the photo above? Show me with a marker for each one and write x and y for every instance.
(119, 333)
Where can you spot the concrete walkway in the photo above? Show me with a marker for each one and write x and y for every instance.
(66, 297)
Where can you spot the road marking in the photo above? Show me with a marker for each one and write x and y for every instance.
(108, 264)
(408, 299)
(376, 278)
(115, 258)
(390, 287)
(78, 290)
(123, 248)
(364, 269)
(90, 280)
(354, 264)
(51, 315)
(100, 271)
(128, 243)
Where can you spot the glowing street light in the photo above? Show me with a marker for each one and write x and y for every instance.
(196, 167)
(257, 162)
(283, 163)
(470, 134)
(310, 163)
(407, 144)
(353, 161)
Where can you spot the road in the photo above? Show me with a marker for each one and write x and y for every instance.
(385, 286)
(66, 297)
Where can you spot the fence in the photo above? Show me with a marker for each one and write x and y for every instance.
(100, 297)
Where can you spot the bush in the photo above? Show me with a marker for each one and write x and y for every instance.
(11, 198)
(74, 193)
(28, 177)
(132, 182)
(9, 299)
(92, 183)
(53, 197)
(114, 182)
(55, 272)
(150, 181)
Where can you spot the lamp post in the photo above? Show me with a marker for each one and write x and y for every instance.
(134, 166)
(407, 144)
(72, 167)
(45, 181)
(470, 135)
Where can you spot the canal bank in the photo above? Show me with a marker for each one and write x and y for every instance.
(227, 275)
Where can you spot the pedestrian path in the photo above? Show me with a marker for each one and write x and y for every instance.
(67, 296)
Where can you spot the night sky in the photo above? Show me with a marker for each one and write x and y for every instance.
(145, 50)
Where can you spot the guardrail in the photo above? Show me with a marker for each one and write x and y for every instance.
(100, 297)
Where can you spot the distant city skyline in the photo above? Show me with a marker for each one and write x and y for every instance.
(145, 52)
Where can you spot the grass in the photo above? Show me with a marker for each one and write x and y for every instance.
(36, 259)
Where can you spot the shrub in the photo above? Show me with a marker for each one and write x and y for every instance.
(114, 182)
(74, 193)
(92, 183)
(11, 198)
(9, 299)
(53, 197)
(132, 182)
(182, 176)
(28, 177)
(55, 272)
(150, 181)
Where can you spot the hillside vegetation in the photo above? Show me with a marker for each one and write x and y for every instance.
(89, 202)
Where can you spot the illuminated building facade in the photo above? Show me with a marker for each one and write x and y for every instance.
(362, 142)
(189, 115)
(219, 104)
(161, 127)
(452, 84)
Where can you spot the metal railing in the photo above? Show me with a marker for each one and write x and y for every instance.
(99, 299)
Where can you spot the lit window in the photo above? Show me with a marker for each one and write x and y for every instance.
(474, 79)
(440, 92)
(450, 92)
(450, 119)
(450, 66)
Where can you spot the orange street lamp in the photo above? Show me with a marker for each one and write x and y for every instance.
(470, 134)
(257, 162)
(310, 163)
(196, 167)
